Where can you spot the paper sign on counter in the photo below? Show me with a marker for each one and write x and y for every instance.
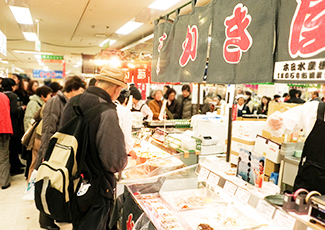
(265, 209)
(284, 221)
(243, 195)
(203, 174)
(213, 180)
(230, 188)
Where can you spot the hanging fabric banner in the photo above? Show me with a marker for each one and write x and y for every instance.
(300, 54)
(161, 49)
(190, 46)
(242, 44)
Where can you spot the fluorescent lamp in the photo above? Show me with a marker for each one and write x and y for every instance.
(41, 63)
(4, 62)
(19, 69)
(32, 52)
(38, 56)
(104, 42)
(30, 36)
(138, 42)
(129, 27)
(111, 42)
(22, 15)
(146, 38)
(163, 4)
(45, 68)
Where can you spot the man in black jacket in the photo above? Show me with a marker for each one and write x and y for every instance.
(106, 141)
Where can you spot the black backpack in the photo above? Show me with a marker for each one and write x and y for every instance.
(66, 184)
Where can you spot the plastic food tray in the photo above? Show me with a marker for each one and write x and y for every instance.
(221, 218)
(193, 199)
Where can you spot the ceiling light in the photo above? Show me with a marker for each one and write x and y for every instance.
(32, 52)
(30, 36)
(138, 42)
(22, 15)
(163, 4)
(41, 63)
(19, 69)
(114, 62)
(38, 56)
(104, 42)
(129, 27)
(4, 62)
(45, 68)
(76, 66)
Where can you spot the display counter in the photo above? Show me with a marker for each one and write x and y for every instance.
(196, 197)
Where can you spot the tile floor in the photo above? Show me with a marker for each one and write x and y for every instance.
(16, 213)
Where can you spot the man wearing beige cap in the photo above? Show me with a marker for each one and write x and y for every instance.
(106, 142)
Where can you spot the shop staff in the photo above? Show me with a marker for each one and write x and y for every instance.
(310, 118)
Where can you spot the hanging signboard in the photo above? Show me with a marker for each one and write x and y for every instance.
(300, 54)
(3, 44)
(190, 45)
(47, 74)
(161, 47)
(242, 41)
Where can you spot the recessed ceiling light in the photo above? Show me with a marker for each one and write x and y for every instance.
(129, 27)
(163, 4)
(22, 15)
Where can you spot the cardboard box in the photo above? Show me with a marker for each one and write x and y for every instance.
(240, 143)
(247, 129)
(234, 157)
(282, 107)
(280, 140)
(269, 168)
(268, 148)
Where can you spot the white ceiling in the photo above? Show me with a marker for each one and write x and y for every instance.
(72, 27)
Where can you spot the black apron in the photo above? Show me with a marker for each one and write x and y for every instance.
(311, 173)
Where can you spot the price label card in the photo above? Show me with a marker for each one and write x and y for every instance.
(230, 188)
(284, 221)
(203, 174)
(265, 209)
(213, 180)
(243, 195)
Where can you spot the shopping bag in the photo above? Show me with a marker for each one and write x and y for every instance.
(30, 190)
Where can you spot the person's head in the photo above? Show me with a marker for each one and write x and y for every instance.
(171, 94)
(111, 80)
(239, 91)
(136, 95)
(19, 82)
(276, 98)
(25, 83)
(74, 86)
(44, 92)
(241, 99)
(47, 81)
(186, 90)
(92, 82)
(158, 95)
(248, 94)
(261, 165)
(166, 88)
(32, 86)
(55, 86)
(292, 93)
(298, 93)
(265, 100)
(124, 96)
(8, 84)
(314, 94)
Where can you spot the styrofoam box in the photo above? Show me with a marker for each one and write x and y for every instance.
(238, 143)
(247, 129)
(268, 148)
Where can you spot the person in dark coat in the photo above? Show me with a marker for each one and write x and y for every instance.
(293, 93)
(16, 112)
(106, 142)
(173, 105)
(188, 109)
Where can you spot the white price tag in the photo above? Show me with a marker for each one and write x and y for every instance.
(243, 195)
(213, 180)
(265, 209)
(203, 174)
(230, 188)
(284, 221)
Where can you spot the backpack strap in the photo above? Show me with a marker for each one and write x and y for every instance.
(91, 113)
